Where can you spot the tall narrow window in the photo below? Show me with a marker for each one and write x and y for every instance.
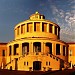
(27, 63)
(10, 50)
(22, 28)
(63, 50)
(57, 49)
(36, 26)
(44, 27)
(55, 30)
(16, 49)
(50, 28)
(46, 63)
(3, 52)
(29, 27)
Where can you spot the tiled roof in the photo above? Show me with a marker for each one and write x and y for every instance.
(3, 43)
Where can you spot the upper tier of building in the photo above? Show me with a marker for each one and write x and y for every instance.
(37, 26)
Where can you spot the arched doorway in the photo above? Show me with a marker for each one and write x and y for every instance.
(37, 65)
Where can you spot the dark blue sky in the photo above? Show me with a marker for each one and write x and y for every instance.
(61, 12)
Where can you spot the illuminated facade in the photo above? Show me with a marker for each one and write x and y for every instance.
(3, 51)
(37, 46)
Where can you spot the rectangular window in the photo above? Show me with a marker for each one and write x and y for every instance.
(46, 63)
(55, 30)
(3, 52)
(49, 63)
(50, 28)
(29, 27)
(44, 27)
(27, 63)
(36, 26)
(22, 28)
(63, 50)
(15, 49)
(24, 63)
(10, 50)
(57, 49)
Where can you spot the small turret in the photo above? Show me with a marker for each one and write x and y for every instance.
(37, 16)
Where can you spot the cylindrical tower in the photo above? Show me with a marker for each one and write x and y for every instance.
(36, 46)
(35, 26)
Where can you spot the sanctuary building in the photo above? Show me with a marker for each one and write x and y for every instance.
(37, 46)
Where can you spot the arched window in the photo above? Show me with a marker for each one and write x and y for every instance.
(25, 48)
(37, 47)
(49, 48)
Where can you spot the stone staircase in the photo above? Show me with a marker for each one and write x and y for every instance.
(63, 64)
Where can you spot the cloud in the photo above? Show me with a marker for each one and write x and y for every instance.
(66, 21)
(73, 7)
(71, 1)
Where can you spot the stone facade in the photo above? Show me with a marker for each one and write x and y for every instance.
(37, 46)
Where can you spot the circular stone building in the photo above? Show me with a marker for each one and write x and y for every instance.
(36, 46)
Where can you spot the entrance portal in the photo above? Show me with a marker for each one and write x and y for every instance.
(36, 65)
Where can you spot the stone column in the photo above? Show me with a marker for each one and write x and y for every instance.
(32, 26)
(40, 26)
(61, 50)
(54, 49)
(20, 49)
(25, 27)
(42, 47)
(8, 50)
(31, 48)
(65, 51)
(47, 27)
(44, 50)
